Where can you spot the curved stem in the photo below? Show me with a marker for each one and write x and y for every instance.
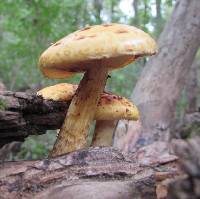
(74, 131)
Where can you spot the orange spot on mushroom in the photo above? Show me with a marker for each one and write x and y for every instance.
(129, 48)
(92, 36)
(121, 31)
(107, 25)
(86, 28)
(80, 37)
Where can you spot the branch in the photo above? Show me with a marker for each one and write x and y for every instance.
(100, 172)
(23, 114)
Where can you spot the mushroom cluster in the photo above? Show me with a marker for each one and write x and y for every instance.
(94, 51)
(109, 108)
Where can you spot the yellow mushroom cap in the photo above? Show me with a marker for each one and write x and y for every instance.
(58, 92)
(110, 107)
(116, 45)
(114, 107)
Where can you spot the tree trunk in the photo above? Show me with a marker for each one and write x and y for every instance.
(158, 19)
(98, 5)
(94, 173)
(23, 114)
(163, 77)
(192, 88)
(136, 17)
(158, 9)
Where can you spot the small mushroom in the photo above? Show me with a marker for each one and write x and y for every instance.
(109, 107)
(94, 50)
(123, 109)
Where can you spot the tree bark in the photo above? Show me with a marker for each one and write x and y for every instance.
(23, 114)
(191, 89)
(188, 126)
(163, 77)
(158, 19)
(187, 186)
(136, 17)
(91, 173)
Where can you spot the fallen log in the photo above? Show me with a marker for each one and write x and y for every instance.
(91, 173)
(23, 114)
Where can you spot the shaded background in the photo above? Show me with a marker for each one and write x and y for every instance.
(27, 27)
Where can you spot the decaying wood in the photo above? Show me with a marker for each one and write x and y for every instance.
(188, 186)
(90, 173)
(23, 114)
(163, 77)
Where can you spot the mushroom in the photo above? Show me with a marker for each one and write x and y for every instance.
(109, 107)
(94, 50)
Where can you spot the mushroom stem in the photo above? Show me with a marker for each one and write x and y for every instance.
(103, 134)
(74, 130)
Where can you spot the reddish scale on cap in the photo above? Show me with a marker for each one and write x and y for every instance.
(107, 25)
(57, 43)
(108, 98)
(129, 48)
(121, 31)
(91, 36)
(86, 28)
(79, 37)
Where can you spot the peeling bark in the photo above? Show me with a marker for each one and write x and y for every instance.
(91, 173)
(23, 114)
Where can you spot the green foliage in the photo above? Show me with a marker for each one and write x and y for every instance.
(3, 104)
(37, 147)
